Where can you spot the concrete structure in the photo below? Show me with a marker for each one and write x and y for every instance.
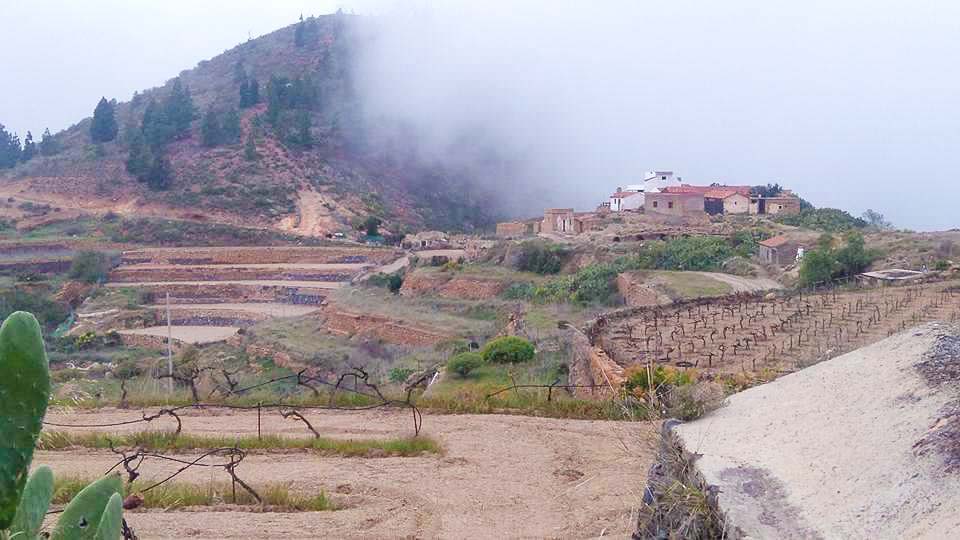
(674, 204)
(891, 275)
(626, 200)
(427, 240)
(558, 220)
(860, 446)
(778, 250)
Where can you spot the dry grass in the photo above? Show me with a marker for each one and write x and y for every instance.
(163, 441)
(173, 495)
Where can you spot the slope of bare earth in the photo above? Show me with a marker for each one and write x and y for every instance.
(498, 477)
(861, 446)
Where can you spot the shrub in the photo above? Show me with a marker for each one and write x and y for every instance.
(519, 291)
(639, 381)
(508, 350)
(464, 363)
(400, 374)
(90, 266)
(823, 219)
(541, 258)
(941, 265)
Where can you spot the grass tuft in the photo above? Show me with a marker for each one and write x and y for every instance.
(167, 441)
(277, 497)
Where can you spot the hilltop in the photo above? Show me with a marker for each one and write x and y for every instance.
(298, 156)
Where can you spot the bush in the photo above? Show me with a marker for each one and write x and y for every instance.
(464, 363)
(941, 265)
(90, 266)
(823, 219)
(826, 263)
(541, 258)
(508, 350)
(519, 291)
(400, 374)
(639, 382)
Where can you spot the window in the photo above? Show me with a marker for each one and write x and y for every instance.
(655, 204)
(663, 177)
(670, 204)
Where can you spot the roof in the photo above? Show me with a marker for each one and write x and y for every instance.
(670, 191)
(703, 190)
(774, 242)
(722, 193)
(624, 194)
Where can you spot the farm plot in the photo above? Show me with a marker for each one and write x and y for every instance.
(496, 476)
(756, 333)
(215, 291)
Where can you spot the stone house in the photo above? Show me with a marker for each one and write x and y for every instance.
(622, 200)
(674, 204)
(783, 204)
(427, 240)
(559, 220)
(778, 250)
(726, 201)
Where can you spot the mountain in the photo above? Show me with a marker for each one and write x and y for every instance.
(301, 158)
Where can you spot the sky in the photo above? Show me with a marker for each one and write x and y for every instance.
(852, 104)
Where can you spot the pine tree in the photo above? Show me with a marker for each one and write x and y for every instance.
(139, 156)
(104, 126)
(250, 149)
(298, 33)
(303, 137)
(48, 144)
(9, 148)
(253, 88)
(230, 127)
(159, 177)
(29, 148)
(210, 131)
(179, 108)
(156, 126)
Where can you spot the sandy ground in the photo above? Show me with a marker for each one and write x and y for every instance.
(743, 284)
(342, 267)
(188, 334)
(272, 309)
(499, 477)
(274, 283)
(832, 451)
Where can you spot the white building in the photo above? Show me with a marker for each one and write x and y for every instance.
(632, 197)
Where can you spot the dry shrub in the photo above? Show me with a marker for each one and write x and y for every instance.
(694, 400)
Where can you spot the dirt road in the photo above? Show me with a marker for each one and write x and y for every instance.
(743, 284)
(498, 477)
(188, 334)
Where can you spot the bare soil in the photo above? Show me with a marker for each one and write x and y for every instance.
(188, 334)
(498, 477)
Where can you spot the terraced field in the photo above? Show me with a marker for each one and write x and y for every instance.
(213, 292)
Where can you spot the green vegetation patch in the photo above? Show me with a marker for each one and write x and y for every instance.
(163, 441)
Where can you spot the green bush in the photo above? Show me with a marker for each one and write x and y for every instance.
(519, 291)
(400, 374)
(941, 265)
(90, 266)
(826, 263)
(823, 219)
(464, 363)
(541, 258)
(508, 350)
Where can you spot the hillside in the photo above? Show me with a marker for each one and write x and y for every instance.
(305, 159)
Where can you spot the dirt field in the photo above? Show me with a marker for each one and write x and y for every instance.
(187, 334)
(499, 477)
(271, 309)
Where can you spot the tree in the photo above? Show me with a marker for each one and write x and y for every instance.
(250, 149)
(298, 33)
(230, 127)
(9, 148)
(303, 136)
(139, 156)
(29, 148)
(854, 258)
(90, 267)
(179, 108)
(156, 126)
(817, 267)
(104, 126)
(210, 131)
(464, 363)
(508, 350)
(159, 177)
(48, 144)
(876, 220)
(769, 190)
(372, 226)
(249, 93)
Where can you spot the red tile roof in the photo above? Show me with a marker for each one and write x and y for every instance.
(721, 193)
(774, 242)
(687, 188)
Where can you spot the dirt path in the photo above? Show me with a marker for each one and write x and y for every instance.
(188, 334)
(266, 282)
(343, 267)
(499, 477)
(743, 284)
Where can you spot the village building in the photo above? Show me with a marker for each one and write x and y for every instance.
(427, 240)
(786, 203)
(669, 203)
(519, 229)
(779, 250)
(622, 201)
(558, 220)
(725, 201)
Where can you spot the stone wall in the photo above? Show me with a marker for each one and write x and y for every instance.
(388, 330)
(260, 255)
(132, 274)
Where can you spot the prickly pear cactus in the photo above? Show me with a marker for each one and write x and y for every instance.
(33, 504)
(24, 392)
(111, 522)
(82, 517)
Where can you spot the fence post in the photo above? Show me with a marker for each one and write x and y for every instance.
(259, 406)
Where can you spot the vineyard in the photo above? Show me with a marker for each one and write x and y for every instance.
(770, 333)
